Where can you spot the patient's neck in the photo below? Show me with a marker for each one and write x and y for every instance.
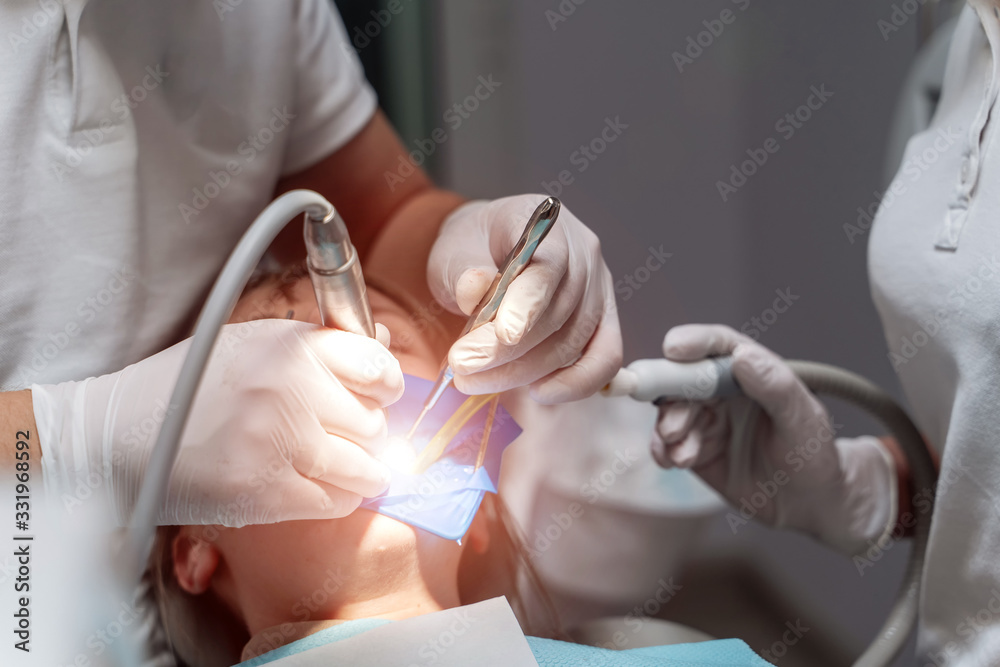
(413, 598)
(412, 586)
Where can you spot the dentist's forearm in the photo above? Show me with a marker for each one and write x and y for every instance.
(18, 436)
(369, 179)
(398, 258)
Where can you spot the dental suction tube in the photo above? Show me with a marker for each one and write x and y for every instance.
(336, 275)
(657, 380)
(219, 306)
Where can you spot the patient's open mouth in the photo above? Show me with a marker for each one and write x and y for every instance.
(439, 478)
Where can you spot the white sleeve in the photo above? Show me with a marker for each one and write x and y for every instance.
(333, 100)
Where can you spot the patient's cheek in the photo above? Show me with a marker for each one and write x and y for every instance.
(414, 355)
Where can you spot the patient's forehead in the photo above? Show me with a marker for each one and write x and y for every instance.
(278, 297)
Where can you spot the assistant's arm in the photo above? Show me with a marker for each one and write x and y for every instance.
(910, 503)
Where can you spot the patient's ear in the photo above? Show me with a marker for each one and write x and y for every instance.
(195, 561)
(478, 535)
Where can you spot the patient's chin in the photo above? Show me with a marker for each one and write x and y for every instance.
(351, 541)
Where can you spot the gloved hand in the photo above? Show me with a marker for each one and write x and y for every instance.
(557, 328)
(284, 425)
(801, 476)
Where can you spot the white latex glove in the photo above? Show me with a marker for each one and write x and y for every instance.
(557, 328)
(273, 434)
(841, 490)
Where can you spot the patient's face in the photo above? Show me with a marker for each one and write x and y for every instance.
(363, 565)
(411, 340)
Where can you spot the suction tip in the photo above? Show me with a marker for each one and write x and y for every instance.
(624, 383)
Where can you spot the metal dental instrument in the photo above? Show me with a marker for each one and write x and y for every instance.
(517, 259)
(336, 275)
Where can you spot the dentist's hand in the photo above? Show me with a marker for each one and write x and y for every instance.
(801, 476)
(284, 426)
(557, 328)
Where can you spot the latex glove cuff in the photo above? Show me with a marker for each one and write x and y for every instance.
(74, 468)
(864, 509)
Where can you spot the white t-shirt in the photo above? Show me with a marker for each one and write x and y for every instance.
(934, 260)
(139, 140)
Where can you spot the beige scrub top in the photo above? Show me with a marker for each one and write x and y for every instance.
(934, 262)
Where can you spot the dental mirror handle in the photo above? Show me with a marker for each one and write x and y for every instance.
(657, 380)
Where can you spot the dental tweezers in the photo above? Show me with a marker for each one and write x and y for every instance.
(517, 259)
